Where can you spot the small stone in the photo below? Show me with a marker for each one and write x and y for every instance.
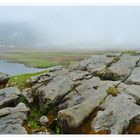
(43, 120)
(46, 132)
(22, 107)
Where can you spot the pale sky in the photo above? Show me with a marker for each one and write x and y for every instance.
(62, 26)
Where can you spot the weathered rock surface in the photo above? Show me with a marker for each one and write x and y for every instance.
(79, 104)
(82, 89)
(8, 96)
(43, 79)
(78, 75)
(54, 91)
(118, 111)
(80, 97)
(120, 69)
(92, 64)
(3, 78)
(12, 119)
(134, 78)
(55, 68)
(27, 93)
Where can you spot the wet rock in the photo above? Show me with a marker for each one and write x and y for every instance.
(8, 96)
(43, 120)
(3, 78)
(11, 122)
(79, 104)
(27, 93)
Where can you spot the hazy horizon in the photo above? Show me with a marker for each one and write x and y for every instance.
(65, 26)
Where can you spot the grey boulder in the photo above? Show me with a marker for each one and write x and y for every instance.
(43, 120)
(3, 78)
(12, 119)
(78, 105)
(8, 96)
(117, 112)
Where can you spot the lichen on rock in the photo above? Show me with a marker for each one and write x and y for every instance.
(112, 91)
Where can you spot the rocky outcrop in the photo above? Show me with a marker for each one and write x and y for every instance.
(80, 95)
(86, 88)
(134, 78)
(3, 79)
(12, 119)
(92, 64)
(12, 116)
(53, 92)
(120, 68)
(78, 105)
(116, 112)
(96, 95)
(8, 96)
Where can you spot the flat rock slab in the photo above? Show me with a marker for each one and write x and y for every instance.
(8, 96)
(78, 75)
(54, 91)
(80, 103)
(120, 69)
(134, 78)
(42, 79)
(118, 111)
(11, 119)
(92, 64)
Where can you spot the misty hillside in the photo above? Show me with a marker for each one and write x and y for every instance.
(17, 34)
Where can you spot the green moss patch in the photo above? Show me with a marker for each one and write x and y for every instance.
(20, 80)
(112, 91)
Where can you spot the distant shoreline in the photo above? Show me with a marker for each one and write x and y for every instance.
(44, 58)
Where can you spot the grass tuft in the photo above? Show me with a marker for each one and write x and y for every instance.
(20, 80)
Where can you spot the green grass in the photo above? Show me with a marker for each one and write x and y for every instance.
(131, 52)
(43, 59)
(57, 130)
(22, 99)
(20, 80)
(34, 115)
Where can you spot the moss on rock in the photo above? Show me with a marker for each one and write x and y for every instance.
(112, 91)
